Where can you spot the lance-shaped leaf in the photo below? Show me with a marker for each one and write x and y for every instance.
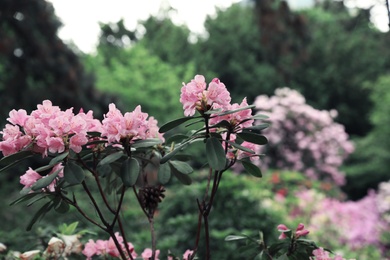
(164, 173)
(129, 172)
(236, 110)
(73, 174)
(45, 181)
(168, 156)
(13, 159)
(61, 206)
(53, 162)
(27, 197)
(40, 214)
(110, 158)
(181, 170)
(181, 167)
(252, 169)
(235, 238)
(176, 138)
(58, 158)
(146, 143)
(253, 138)
(257, 128)
(259, 117)
(215, 154)
(172, 124)
(183, 178)
(240, 147)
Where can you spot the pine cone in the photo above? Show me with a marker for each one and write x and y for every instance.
(150, 197)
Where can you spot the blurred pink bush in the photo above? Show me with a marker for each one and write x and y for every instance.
(302, 138)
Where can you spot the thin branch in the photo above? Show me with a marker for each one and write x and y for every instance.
(119, 206)
(74, 204)
(95, 204)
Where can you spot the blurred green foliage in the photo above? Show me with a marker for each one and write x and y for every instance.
(139, 78)
(35, 64)
(370, 164)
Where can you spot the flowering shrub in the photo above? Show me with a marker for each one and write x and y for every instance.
(302, 138)
(353, 224)
(128, 151)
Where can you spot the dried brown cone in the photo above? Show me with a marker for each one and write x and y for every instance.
(150, 197)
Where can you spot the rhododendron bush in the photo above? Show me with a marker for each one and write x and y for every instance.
(127, 153)
(302, 138)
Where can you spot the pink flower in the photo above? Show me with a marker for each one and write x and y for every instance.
(187, 254)
(194, 95)
(29, 178)
(240, 118)
(301, 231)
(191, 94)
(89, 249)
(76, 141)
(18, 117)
(147, 254)
(281, 228)
(55, 144)
(217, 93)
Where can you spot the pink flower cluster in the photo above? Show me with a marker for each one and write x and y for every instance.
(194, 95)
(302, 138)
(132, 125)
(106, 247)
(299, 232)
(352, 223)
(47, 129)
(30, 177)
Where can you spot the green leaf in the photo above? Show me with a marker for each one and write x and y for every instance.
(129, 172)
(252, 169)
(236, 110)
(164, 173)
(40, 214)
(111, 158)
(45, 181)
(240, 147)
(13, 159)
(215, 154)
(62, 207)
(73, 174)
(234, 238)
(94, 134)
(253, 138)
(213, 111)
(256, 128)
(104, 170)
(58, 158)
(181, 167)
(183, 178)
(146, 143)
(168, 156)
(27, 197)
(259, 117)
(172, 124)
(222, 123)
(176, 138)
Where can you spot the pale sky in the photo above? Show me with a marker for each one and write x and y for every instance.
(81, 17)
